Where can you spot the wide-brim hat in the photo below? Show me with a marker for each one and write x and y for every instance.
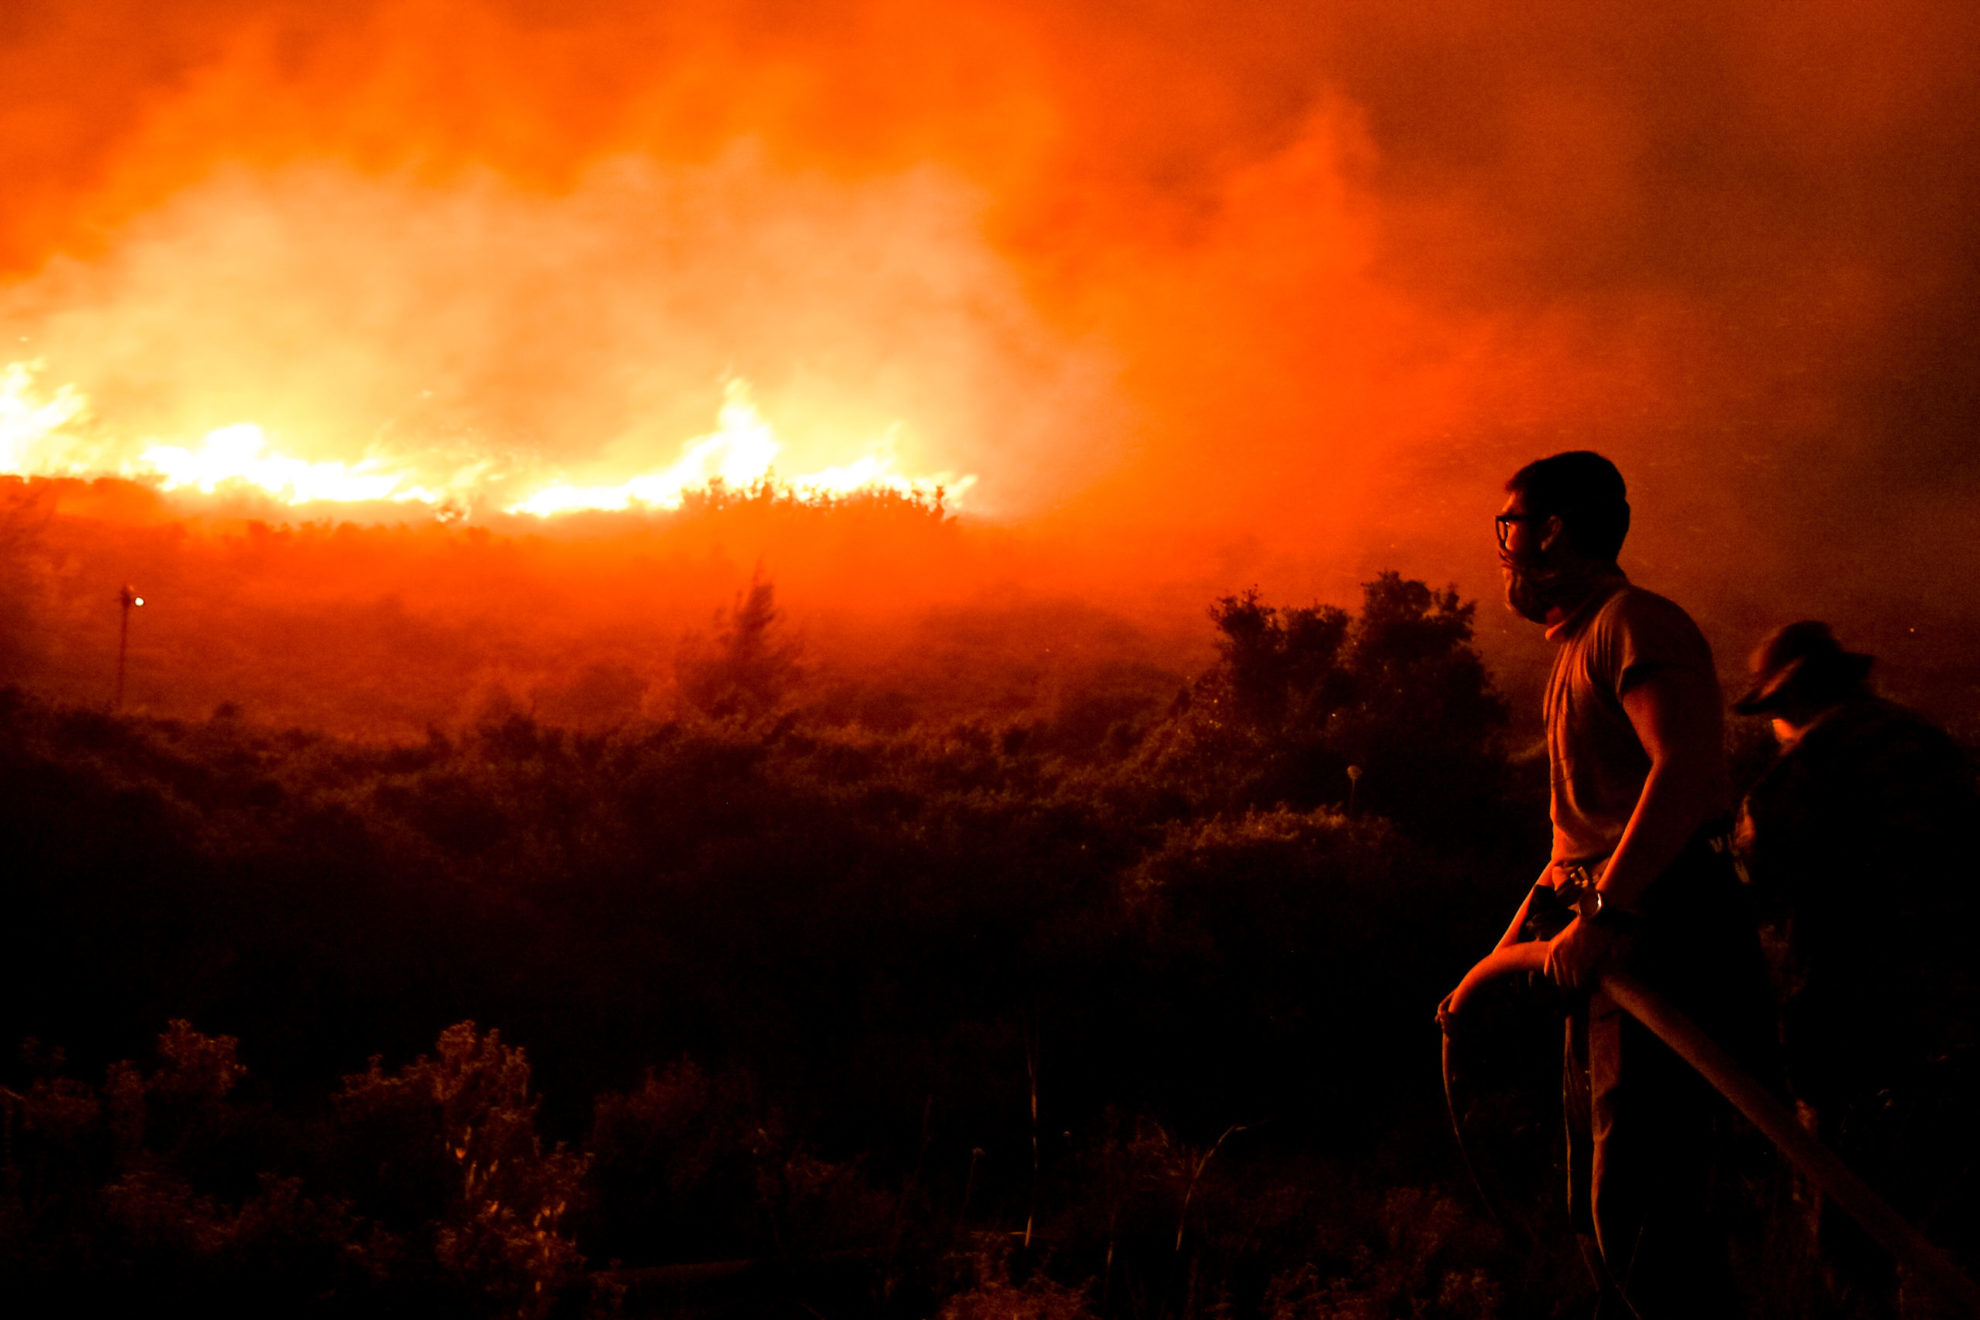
(1801, 660)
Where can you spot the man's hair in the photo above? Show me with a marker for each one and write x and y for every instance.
(1585, 492)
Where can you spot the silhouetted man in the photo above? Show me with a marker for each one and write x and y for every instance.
(1640, 876)
(1856, 841)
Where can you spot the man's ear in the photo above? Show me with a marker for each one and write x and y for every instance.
(1552, 532)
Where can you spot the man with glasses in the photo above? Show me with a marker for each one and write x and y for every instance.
(1640, 878)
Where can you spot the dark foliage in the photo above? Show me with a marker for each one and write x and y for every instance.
(750, 668)
(1389, 710)
(1155, 1000)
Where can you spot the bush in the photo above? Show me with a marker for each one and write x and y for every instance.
(1301, 695)
(892, 952)
(445, 1155)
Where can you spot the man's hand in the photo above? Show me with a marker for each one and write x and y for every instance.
(1575, 956)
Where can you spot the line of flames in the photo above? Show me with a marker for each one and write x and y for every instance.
(42, 433)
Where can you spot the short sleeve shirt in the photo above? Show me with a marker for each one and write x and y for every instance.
(1596, 762)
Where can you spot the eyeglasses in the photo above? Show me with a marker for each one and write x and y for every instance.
(1504, 524)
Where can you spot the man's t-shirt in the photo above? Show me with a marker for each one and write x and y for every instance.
(1615, 640)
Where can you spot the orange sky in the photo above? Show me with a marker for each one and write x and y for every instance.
(1265, 293)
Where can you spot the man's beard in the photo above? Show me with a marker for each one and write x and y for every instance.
(1541, 595)
(1526, 595)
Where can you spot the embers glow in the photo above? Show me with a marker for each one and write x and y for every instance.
(45, 434)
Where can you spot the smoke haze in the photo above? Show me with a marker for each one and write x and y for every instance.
(1266, 295)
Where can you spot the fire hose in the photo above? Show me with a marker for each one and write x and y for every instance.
(1817, 1162)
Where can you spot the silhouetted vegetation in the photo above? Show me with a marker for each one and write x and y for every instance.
(750, 668)
(1119, 1013)
(1302, 695)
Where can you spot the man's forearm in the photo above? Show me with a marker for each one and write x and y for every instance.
(1668, 813)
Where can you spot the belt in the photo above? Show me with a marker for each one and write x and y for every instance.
(1713, 838)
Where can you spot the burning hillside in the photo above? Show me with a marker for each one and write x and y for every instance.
(882, 568)
(47, 434)
(1184, 304)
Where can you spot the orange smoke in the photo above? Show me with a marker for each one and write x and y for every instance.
(1199, 298)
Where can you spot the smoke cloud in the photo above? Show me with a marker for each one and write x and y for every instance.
(1266, 294)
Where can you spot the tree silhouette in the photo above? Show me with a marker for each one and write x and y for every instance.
(1303, 693)
(752, 665)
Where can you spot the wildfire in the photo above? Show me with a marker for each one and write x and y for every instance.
(234, 453)
(44, 434)
(740, 453)
(28, 422)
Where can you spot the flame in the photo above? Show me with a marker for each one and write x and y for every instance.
(39, 436)
(234, 453)
(31, 426)
(738, 455)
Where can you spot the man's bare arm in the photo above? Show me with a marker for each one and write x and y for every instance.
(1677, 721)
(1678, 726)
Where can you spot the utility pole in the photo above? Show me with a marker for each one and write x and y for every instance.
(130, 600)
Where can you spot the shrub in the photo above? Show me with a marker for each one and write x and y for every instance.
(1302, 694)
(446, 1150)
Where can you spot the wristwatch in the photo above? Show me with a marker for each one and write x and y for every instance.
(1594, 909)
